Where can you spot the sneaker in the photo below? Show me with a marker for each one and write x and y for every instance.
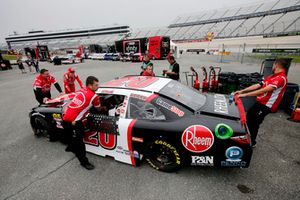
(254, 146)
(88, 166)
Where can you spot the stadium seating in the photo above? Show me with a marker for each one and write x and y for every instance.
(275, 17)
(255, 19)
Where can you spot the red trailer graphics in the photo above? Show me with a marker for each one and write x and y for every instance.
(158, 47)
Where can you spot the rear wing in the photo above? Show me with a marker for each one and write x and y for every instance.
(241, 109)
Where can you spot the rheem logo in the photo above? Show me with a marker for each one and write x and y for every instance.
(197, 138)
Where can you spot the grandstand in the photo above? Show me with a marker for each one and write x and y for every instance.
(259, 19)
(268, 19)
(69, 38)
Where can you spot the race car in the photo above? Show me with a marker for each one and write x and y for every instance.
(161, 121)
(71, 59)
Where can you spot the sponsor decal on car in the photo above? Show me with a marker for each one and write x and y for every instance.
(135, 154)
(197, 138)
(169, 107)
(202, 161)
(107, 91)
(138, 96)
(137, 139)
(220, 104)
(233, 155)
(57, 118)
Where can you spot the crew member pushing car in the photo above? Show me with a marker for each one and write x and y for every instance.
(42, 86)
(73, 117)
(69, 81)
(269, 94)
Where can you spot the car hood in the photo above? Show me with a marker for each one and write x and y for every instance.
(219, 105)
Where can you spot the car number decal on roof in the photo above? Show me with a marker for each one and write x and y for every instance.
(132, 82)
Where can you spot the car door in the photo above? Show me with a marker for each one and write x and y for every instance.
(113, 136)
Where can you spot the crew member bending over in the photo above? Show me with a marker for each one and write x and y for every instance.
(69, 81)
(73, 117)
(42, 86)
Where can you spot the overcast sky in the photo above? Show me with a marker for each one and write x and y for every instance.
(26, 15)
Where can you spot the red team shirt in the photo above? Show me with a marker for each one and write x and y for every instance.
(145, 73)
(45, 84)
(78, 108)
(272, 99)
(71, 80)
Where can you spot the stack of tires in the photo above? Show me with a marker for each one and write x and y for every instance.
(230, 81)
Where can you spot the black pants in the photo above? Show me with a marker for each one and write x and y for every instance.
(40, 96)
(255, 117)
(75, 136)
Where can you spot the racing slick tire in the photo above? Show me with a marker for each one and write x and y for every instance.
(163, 156)
(40, 126)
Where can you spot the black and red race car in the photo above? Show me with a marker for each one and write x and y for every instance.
(159, 120)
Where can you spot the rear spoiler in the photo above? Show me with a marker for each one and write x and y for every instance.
(240, 106)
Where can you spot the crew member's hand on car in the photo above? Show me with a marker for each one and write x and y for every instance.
(242, 95)
(45, 99)
(238, 92)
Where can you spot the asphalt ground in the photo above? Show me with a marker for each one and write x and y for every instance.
(33, 168)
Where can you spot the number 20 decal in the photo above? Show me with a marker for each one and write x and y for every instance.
(105, 140)
(132, 82)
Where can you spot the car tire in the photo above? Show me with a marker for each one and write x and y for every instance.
(40, 126)
(163, 156)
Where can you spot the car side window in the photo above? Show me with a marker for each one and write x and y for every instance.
(113, 105)
(140, 109)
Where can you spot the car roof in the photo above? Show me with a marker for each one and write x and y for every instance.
(142, 83)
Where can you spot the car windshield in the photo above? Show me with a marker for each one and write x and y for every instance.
(183, 94)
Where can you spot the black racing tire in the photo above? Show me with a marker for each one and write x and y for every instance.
(163, 156)
(40, 126)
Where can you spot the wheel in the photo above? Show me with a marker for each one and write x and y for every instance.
(153, 57)
(163, 156)
(40, 126)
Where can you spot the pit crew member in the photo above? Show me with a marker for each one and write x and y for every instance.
(269, 94)
(146, 62)
(173, 71)
(148, 71)
(42, 86)
(73, 117)
(69, 81)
